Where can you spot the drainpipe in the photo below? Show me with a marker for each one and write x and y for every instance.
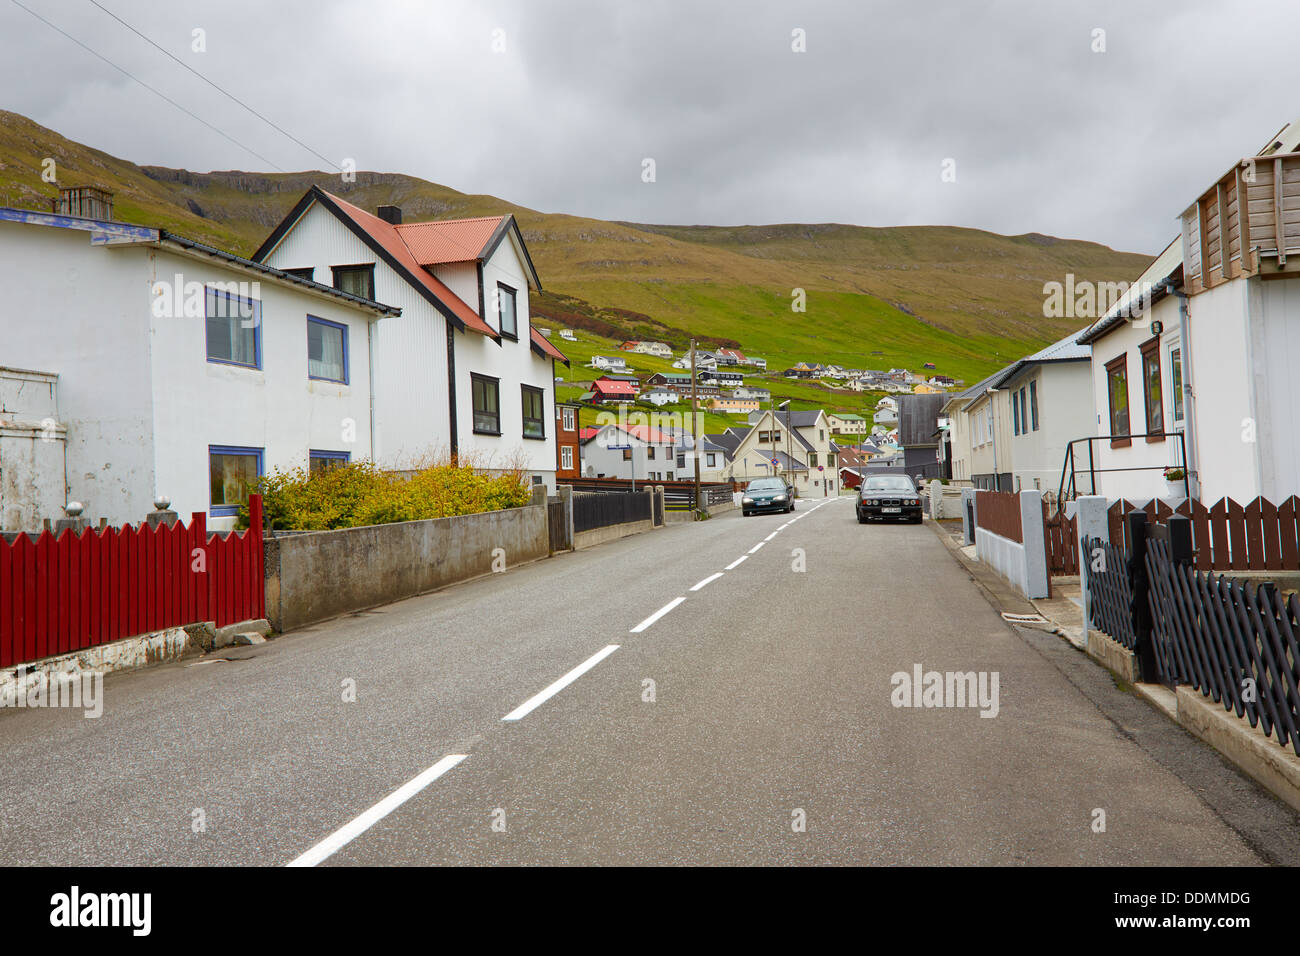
(1189, 393)
(370, 353)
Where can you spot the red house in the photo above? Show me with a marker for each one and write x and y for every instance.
(568, 463)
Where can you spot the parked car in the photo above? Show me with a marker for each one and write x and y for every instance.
(888, 497)
(767, 495)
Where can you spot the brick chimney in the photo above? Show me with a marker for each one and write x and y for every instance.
(390, 214)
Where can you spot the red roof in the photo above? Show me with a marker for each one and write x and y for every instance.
(587, 433)
(647, 434)
(614, 388)
(451, 240)
(389, 236)
(544, 344)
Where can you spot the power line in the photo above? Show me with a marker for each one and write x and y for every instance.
(230, 96)
(151, 89)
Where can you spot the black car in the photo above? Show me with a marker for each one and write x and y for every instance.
(767, 495)
(888, 498)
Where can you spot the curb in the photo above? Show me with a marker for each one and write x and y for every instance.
(129, 653)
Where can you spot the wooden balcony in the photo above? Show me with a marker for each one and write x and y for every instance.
(1216, 224)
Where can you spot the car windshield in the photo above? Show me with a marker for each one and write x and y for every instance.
(766, 484)
(888, 483)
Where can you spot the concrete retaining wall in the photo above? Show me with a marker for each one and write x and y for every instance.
(588, 539)
(317, 575)
(1024, 564)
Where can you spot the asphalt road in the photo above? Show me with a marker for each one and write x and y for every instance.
(770, 735)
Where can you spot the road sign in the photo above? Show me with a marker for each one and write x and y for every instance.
(775, 463)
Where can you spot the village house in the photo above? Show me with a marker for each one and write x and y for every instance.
(169, 369)
(657, 349)
(634, 452)
(660, 396)
(731, 405)
(568, 462)
(608, 363)
(1201, 368)
(462, 371)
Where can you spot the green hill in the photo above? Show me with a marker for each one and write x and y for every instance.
(966, 300)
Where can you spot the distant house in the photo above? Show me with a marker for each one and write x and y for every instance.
(568, 462)
(751, 391)
(731, 357)
(658, 349)
(608, 391)
(731, 405)
(669, 380)
(918, 422)
(635, 452)
(703, 360)
(846, 423)
(609, 362)
(567, 335)
(758, 363)
(661, 396)
(720, 377)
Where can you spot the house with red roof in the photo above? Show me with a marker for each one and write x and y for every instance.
(610, 390)
(637, 452)
(462, 371)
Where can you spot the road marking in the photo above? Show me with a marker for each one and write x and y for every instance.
(735, 564)
(346, 834)
(771, 536)
(784, 526)
(756, 547)
(709, 580)
(532, 703)
(657, 615)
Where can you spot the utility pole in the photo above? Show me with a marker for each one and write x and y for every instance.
(695, 427)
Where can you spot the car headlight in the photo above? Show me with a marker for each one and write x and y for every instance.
(779, 498)
(746, 501)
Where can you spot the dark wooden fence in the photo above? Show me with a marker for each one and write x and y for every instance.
(1236, 643)
(591, 511)
(678, 495)
(999, 513)
(1061, 536)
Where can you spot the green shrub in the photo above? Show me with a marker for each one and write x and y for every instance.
(359, 493)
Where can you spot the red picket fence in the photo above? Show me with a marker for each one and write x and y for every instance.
(64, 594)
(999, 512)
(1228, 536)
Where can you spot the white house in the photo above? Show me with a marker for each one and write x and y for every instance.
(1051, 404)
(182, 371)
(462, 371)
(609, 363)
(657, 349)
(637, 452)
(567, 335)
(661, 396)
(1211, 359)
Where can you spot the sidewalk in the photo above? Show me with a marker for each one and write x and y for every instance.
(1247, 747)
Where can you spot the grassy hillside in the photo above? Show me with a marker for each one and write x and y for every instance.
(967, 300)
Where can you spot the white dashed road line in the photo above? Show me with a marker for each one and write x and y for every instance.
(735, 564)
(772, 535)
(709, 580)
(657, 615)
(532, 703)
(756, 547)
(346, 834)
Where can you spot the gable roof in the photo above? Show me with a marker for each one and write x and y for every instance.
(543, 347)
(386, 241)
(1067, 349)
(613, 388)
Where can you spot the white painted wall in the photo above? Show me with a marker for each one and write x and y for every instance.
(1065, 412)
(1275, 359)
(140, 400)
(1222, 373)
(278, 408)
(412, 420)
(1127, 339)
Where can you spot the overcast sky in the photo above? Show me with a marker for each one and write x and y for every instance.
(1046, 134)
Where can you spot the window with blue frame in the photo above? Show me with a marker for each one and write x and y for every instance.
(234, 328)
(232, 471)
(322, 461)
(327, 350)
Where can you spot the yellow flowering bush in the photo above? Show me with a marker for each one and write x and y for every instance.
(359, 493)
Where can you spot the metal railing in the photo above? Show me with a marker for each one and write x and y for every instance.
(1071, 470)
